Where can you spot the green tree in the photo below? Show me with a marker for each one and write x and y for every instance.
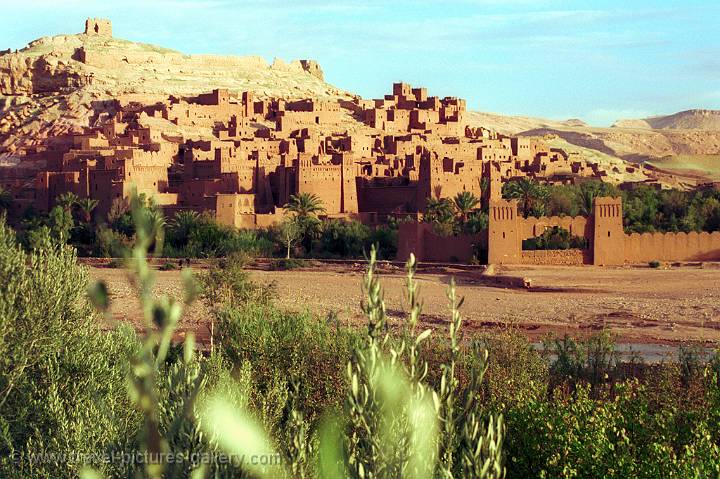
(67, 201)
(531, 194)
(439, 210)
(182, 226)
(87, 206)
(61, 224)
(6, 199)
(290, 232)
(591, 190)
(306, 207)
(465, 202)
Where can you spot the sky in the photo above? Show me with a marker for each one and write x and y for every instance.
(594, 60)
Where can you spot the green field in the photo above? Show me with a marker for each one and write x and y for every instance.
(706, 165)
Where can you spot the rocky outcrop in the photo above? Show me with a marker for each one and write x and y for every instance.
(24, 75)
(313, 68)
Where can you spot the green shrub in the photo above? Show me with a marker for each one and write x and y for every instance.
(344, 239)
(168, 266)
(285, 264)
(289, 347)
(654, 264)
(593, 359)
(63, 381)
(110, 243)
(201, 236)
(574, 435)
(228, 284)
(555, 238)
(385, 238)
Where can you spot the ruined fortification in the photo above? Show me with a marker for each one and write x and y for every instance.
(101, 27)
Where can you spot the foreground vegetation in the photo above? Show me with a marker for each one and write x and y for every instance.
(311, 398)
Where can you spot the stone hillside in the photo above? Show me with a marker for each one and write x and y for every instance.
(684, 135)
(60, 84)
(684, 120)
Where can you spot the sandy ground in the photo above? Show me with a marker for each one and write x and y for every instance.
(640, 305)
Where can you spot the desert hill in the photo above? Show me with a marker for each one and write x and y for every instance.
(61, 84)
(118, 67)
(685, 145)
(684, 120)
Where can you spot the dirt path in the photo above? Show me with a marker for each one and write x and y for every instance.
(639, 305)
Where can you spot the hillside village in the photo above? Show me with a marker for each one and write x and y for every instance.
(240, 156)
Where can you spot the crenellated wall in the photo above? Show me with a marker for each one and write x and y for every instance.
(609, 245)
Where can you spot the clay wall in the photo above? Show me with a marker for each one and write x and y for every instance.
(449, 249)
(419, 238)
(693, 246)
(564, 257)
(387, 199)
(323, 181)
(577, 226)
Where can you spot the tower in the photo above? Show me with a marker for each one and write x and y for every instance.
(609, 237)
(101, 27)
(504, 245)
(348, 175)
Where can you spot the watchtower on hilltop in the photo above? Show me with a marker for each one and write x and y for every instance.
(101, 27)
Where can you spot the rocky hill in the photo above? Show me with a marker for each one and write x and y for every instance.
(107, 65)
(62, 84)
(684, 120)
(58, 85)
(674, 144)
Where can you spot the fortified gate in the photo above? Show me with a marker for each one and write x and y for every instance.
(608, 244)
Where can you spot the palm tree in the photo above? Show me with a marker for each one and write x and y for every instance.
(304, 205)
(182, 226)
(154, 222)
(439, 210)
(465, 202)
(527, 191)
(67, 201)
(86, 206)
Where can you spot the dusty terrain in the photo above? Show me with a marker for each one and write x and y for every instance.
(640, 305)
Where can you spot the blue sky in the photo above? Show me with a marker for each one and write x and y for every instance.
(597, 61)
